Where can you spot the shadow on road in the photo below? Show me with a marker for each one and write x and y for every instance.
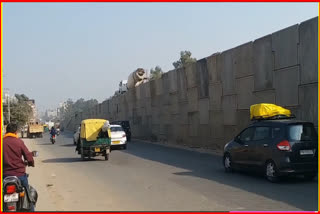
(44, 144)
(68, 145)
(69, 160)
(62, 160)
(297, 193)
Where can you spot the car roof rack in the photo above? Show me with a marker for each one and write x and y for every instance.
(276, 117)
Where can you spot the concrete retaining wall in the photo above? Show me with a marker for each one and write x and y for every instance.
(207, 103)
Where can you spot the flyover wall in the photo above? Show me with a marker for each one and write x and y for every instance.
(207, 103)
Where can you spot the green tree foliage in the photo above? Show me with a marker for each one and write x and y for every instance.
(20, 111)
(185, 58)
(156, 73)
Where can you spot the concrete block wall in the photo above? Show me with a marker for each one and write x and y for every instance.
(206, 103)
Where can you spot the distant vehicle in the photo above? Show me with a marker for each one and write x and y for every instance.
(35, 129)
(118, 136)
(123, 86)
(126, 127)
(277, 148)
(76, 136)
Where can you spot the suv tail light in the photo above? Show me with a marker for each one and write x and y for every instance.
(10, 189)
(284, 146)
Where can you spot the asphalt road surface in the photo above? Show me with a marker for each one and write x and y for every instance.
(149, 177)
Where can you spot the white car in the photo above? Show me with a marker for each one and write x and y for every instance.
(76, 136)
(118, 136)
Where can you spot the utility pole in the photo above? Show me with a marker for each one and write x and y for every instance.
(9, 109)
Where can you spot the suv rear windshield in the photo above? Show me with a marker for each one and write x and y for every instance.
(303, 132)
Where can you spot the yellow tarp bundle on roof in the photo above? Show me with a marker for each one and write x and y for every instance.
(90, 128)
(266, 110)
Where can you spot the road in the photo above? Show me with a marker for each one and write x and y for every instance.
(150, 177)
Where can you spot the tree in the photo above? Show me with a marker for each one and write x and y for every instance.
(21, 111)
(156, 73)
(185, 58)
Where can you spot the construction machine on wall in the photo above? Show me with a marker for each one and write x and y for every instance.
(136, 78)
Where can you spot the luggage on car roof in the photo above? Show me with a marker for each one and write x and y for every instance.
(268, 111)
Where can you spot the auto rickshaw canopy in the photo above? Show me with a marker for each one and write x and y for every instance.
(90, 128)
(267, 110)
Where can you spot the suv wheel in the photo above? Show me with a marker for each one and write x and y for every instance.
(271, 171)
(227, 163)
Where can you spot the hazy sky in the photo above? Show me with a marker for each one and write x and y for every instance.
(56, 51)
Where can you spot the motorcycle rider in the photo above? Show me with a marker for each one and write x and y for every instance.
(52, 132)
(13, 150)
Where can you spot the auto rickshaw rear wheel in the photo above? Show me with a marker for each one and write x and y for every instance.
(82, 154)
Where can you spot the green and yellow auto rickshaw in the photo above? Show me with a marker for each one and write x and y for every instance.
(45, 128)
(95, 138)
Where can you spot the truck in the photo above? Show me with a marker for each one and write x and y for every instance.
(35, 129)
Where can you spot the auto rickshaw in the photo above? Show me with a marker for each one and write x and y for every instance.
(45, 128)
(95, 138)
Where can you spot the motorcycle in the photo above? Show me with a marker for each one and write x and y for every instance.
(16, 197)
(53, 139)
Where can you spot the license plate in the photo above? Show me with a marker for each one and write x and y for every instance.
(11, 198)
(97, 149)
(306, 152)
(116, 142)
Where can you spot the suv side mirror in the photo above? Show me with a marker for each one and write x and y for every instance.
(237, 139)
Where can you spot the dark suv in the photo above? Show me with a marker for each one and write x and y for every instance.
(276, 148)
(126, 127)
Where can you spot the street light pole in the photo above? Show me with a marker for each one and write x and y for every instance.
(9, 109)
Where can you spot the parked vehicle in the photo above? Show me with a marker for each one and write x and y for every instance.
(277, 148)
(76, 136)
(118, 136)
(53, 139)
(17, 198)
(95, 138)
(126, 127)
